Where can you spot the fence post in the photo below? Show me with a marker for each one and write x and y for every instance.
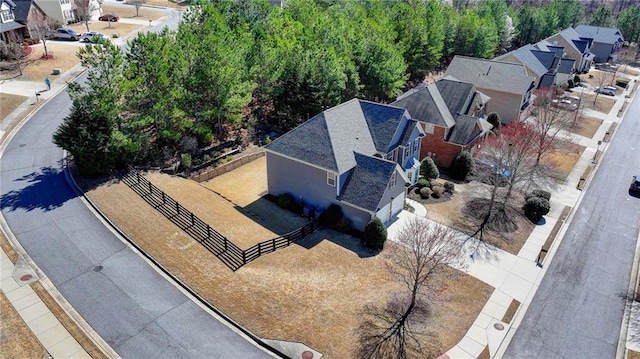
(192, 218)
(244, 257)
(177, 208)
(273, 244)
(259, 250)
(225, 246)
(208, 231)
(163, 198)
(150, 187)
(138, 176)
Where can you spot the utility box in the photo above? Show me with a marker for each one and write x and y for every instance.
(56, 72)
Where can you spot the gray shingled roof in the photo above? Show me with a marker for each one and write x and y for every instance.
(454, 93)
(546, 58)
(383, 122)
(329, 139)
(426, 104)
(606, 35)
(367, 181)
(8, 26)
(493, 75)
(21, 11)
(547, 81)
(464, 131)
(566, 66)
(526, 57)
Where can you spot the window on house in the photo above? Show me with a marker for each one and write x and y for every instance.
(331, 178)
(416, 143)
(63, 2)
(7, 15)
(410, 176)
(393, 180)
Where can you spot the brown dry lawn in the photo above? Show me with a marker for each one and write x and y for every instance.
(9, 102)
(129, 12)
(586, 126)
(17, 340)
(603, 104)
(565, 158)
(37, 69)
(320, 284)
(173, 4)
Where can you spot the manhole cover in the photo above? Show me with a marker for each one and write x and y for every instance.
(26, 277)
(498, 326)
(307, 355)
(97, 268)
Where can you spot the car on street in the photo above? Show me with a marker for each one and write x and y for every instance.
(634, 187)
(91, 36)
(63, 33)
(109, 17)
(607, 90)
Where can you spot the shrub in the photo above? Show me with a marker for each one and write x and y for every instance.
(332, 216)
(494, 119)
(423, 182)
(449, 187)
(535, 208)
(539, 193)
(185, 160)
(375, 234)
(462, 166)
(286, 201)
(425, 192)
(428, 169)
(437, 191)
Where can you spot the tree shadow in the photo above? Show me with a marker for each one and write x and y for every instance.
(44, 191)
(343, 240)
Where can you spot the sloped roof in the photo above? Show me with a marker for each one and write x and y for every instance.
(526, 57)
(566, 66)
(455, 93)
(425, 104)
(606, 35)
(383, 122)
(571, 36)
(494, 75)
(546, 58)
(547, 81)
(367, 181)
(21, 12)
(8, 26)
(329, 139)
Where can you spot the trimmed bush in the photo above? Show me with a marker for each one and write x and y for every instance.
(375, 234)
(535, 208)
(332, 216)
(428, 169)
(462, 166)
(494, 119)
(425, 192)
(539, 193)
(423, 182)
(286, 200)
(449, 187)
(185, 160)
(437, 191)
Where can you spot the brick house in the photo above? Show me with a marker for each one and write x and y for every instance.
(451, 113)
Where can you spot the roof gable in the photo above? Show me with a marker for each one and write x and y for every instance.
(367, 181)
(607, 35)
(383, 123)
(425, 104)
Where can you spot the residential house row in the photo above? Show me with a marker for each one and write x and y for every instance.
(16, 15)
(363, 155)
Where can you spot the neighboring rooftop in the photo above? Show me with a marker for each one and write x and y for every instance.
(607, 35)
(494, 75)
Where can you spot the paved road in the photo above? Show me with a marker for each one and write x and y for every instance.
(577, 311)
(137, 311)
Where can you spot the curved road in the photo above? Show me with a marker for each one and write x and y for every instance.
(130, 305)
(578, 309)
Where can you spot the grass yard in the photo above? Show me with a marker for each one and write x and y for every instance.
(312, 292)
(129, 12)
(586, 126)
(37, 69)
(8, 103)
(603, 104)
(17, 340)
(566, 157)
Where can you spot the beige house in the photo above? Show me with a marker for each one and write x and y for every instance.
(575, 47)
(507, 84)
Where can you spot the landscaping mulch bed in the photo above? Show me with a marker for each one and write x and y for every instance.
(312, 292)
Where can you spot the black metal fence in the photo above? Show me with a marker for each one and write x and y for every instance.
(216, 243)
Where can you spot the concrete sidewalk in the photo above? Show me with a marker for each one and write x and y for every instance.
(517, 277)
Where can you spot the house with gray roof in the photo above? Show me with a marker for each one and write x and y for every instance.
(575, 47)
(359, 155)
(607, 41)
(507, 84)
(451, 113)
(9, 28)
(541, 64)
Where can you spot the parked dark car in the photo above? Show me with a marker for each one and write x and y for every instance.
(109, 17)
(63, 33)
(634, 187)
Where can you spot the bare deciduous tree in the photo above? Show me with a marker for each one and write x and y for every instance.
(419, 261)
(12, 51)
(137, 4)
(41, 25)
(601, 78)
(547, 124)
(84, 9)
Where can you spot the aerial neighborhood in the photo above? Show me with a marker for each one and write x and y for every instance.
(319, 179)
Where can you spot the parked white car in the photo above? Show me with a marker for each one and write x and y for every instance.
(607, 90)
(91, 36)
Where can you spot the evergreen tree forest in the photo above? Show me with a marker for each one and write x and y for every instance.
(248, 64)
